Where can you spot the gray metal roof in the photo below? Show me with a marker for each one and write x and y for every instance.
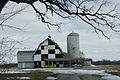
(26, 51)
(73, 34)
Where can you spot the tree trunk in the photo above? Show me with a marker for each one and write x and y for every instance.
(2, 4)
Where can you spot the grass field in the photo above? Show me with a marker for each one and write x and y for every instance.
(34, 75)
(110, 69)
(41, 75)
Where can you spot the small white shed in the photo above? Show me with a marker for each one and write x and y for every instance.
(25, 59)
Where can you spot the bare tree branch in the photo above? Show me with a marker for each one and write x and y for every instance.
(4, 17)
(7, 47)
(93, 12)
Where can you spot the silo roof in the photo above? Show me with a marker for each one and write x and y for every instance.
(73, 34)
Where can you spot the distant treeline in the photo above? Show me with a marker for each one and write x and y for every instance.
(106, 62)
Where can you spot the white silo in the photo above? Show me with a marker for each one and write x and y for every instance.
(73, 45)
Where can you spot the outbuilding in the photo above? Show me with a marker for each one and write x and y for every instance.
(25, 59)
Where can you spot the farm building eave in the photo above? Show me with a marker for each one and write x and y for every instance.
(26, 51)
(64, 59)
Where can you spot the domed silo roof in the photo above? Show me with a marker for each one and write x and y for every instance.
(73, 34)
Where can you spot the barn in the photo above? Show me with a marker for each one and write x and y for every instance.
(49, 54)
(48, 49)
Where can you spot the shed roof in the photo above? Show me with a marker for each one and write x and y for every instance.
(26, 51)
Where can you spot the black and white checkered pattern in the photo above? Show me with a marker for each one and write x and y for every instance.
(48, 49)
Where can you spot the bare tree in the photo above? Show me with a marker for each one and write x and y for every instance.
(8, 15)
(7, 48)
(8, 45)
(97, 13)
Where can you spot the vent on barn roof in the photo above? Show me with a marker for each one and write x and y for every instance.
(49, 36)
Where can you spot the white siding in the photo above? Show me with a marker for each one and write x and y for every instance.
(26, 65)
(51, 56)
(57, 51)
(44, 51)
(42, 63)
(37, 57)
(24, 57)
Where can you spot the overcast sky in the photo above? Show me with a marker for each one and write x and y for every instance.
(34, 32)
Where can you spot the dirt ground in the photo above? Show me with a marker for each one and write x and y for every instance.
(90, 77)
(77, 77)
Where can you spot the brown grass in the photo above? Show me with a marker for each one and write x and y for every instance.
(41, 75)
(34, 75)
(114, 73)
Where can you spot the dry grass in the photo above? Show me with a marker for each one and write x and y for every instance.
(34, 75)
(41, 75)
(114, 73)
(62, 76)
(116, 70)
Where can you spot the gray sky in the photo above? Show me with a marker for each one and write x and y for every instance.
(34, 32)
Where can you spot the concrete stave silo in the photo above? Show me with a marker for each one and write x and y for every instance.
(73, 45)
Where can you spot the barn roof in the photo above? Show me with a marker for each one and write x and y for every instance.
(49, 38)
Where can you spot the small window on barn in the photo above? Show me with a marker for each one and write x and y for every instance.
(51, 51)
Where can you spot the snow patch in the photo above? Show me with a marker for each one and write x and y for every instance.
(18, 78)
(23, 77)
(12, 71)
(111, 77)
(81, 71)
(51, 78)
(73, 71)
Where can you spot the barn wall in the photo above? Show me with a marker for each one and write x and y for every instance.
(25, 59)
(24, 56)
(26, 65)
